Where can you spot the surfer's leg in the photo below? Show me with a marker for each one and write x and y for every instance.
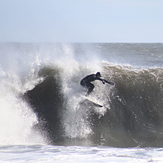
(90, 87)
(87, 85)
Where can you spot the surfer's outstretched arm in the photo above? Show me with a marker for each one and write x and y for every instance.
(105, 81)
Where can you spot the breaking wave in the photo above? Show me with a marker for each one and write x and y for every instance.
(43, 102)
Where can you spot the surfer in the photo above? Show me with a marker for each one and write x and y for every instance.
(86, 82)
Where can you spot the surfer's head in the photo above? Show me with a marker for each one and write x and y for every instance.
(98, 74)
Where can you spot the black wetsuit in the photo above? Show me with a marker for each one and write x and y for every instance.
(86, 82)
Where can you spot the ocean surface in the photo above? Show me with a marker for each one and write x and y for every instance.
(44, 114)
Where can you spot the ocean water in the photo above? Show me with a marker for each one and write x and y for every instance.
(45, 117)
(72, 154)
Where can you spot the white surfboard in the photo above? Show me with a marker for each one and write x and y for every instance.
(93, 102)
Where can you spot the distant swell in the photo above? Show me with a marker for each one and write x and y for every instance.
(133, 117)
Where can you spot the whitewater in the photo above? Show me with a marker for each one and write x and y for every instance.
(44, 117)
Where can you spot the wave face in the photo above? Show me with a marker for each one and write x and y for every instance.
(135, 115)
(43, 102)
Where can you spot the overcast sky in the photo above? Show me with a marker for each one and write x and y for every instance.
(81, 21)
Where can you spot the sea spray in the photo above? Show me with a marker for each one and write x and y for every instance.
(75, 118)
(16, 119)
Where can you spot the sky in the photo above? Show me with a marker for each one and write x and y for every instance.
(81, 21)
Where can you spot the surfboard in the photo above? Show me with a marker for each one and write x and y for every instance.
(94, 103)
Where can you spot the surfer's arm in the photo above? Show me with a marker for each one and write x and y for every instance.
(105, 81)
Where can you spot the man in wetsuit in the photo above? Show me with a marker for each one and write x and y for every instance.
(86, 82)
